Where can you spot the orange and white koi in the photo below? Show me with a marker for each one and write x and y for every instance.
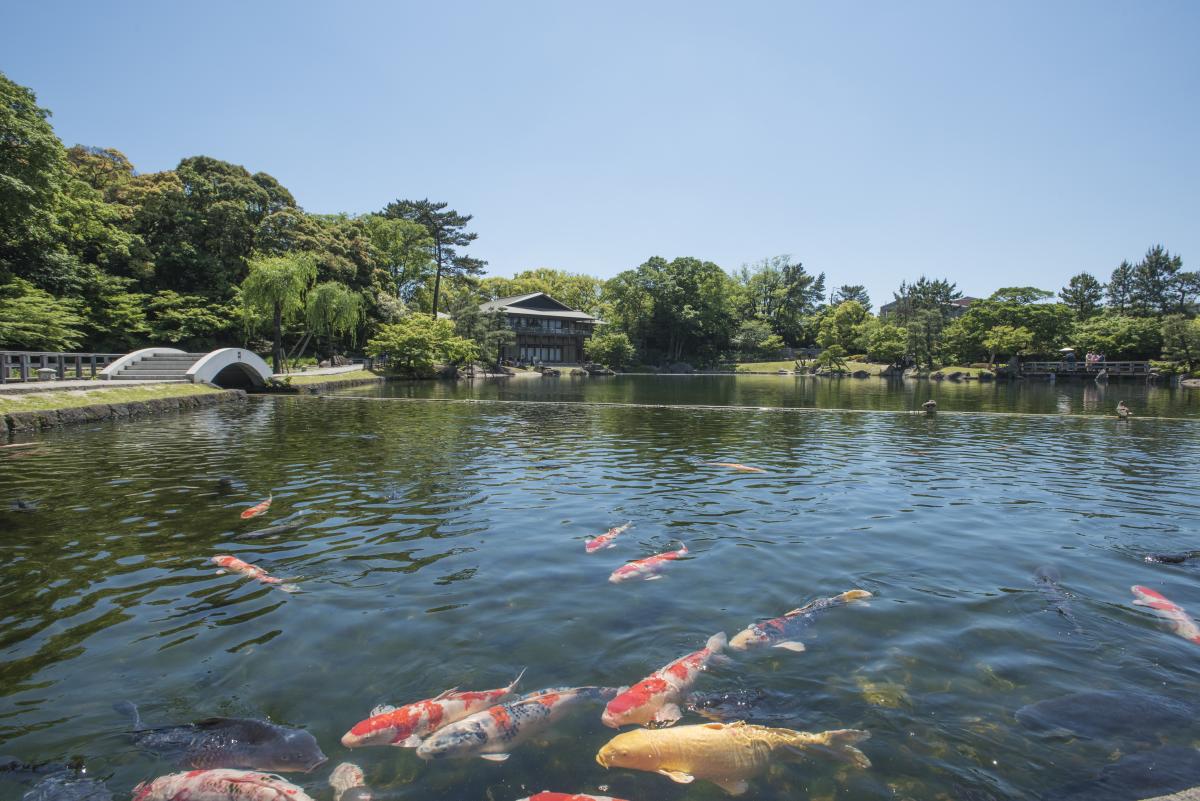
(781, 632)
(741, 468)
(408, 725)
(647, 568)
(258, 509)
(494, 732)
(548, 796)
(655, 699)
(219, 785)
(607, 539)
(235, 565)
(1180, 622)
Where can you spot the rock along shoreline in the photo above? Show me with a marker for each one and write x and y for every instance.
(21, 422)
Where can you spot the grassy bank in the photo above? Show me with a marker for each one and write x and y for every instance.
(853, 366)
(103, 393)
(300, 379)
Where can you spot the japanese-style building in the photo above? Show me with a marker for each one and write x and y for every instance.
(547, 331)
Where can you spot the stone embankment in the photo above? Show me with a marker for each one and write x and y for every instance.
(19, 422)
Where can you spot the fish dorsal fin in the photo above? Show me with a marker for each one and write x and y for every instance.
(732, 786)
(494, 757)
(382, 709)
(678, 776)
(446, 694)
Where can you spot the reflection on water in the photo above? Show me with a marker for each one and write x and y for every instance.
(776, 391)
(442, 545)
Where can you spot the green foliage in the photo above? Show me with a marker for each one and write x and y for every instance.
(1120, 288)
(448, 231)
(405, 252)
(886, 342)
(274, 291)
(832, 358)
(418, 342)
(489, 331)
(783, 293)
(1119, 336)
(189, 321)
(843, 326)
(1181, 340)
(855, 292)
(1049, 325)
(1006, 340)
(674, 308)
(115, 317)
(1084, 295)
(924, 309)
(754, 339)
(32, 319)
(332, 309)
(612, 349)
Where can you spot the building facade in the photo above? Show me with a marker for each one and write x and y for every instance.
(547, 331)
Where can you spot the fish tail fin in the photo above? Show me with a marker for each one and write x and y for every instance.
(515, 681)
(682, 547)
(717, 642)
(129, 709)
(838, 745)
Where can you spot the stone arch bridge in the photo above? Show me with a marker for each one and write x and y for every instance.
(230, 368)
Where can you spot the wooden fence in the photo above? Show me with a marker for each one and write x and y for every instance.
(23, 365)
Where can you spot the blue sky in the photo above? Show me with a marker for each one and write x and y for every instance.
(996, 144)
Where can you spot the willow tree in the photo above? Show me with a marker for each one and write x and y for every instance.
(277, 286)
(333, 309)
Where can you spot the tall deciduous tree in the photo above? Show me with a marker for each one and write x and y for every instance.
(448, 230)
(1084, 294)
(277, 285)
(405, 249)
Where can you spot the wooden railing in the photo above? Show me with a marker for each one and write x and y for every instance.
(23, 365)
(1083, 368)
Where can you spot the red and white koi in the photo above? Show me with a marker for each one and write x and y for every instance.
(1180, 621)
(607, 539)
(781, 632)
(219, 785)
(548, 796)
(741, 468)
(258, 509)
(494, 732)
(408, 725)
(655, 699)
(235, 565)
(648, 568)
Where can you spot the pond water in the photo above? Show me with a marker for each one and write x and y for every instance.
(442, 545)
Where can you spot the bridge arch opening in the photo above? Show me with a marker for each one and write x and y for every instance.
(237, 376)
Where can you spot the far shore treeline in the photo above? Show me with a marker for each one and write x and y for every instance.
(95, 256)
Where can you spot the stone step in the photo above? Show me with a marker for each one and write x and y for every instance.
(123, 376)
(160, 360)
(159, 366)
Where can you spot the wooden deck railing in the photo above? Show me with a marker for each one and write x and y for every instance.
(22, 365)
(1082, 368)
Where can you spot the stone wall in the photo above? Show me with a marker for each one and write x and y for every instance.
(35, 421)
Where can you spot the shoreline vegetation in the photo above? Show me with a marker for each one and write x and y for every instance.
(98, 257)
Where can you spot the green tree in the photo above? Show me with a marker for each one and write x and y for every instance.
(755, 338)
(1007, 340)
(832, 358)
(332, 309)
(33, 319)
(1049, 324)
(417, 343)
(276, 286)
(1084, 294)
(102, 168)
(1119, 336)
(611, 348)
(490, 331)
(1120, 288)
(447, 229)
(924, 308)
(886, 342)
(1155, 278)
(785, 294)
(855, 292)
(1181, 340)
(842, 326)
(582, 292)
(192, 322)
(405, 250)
